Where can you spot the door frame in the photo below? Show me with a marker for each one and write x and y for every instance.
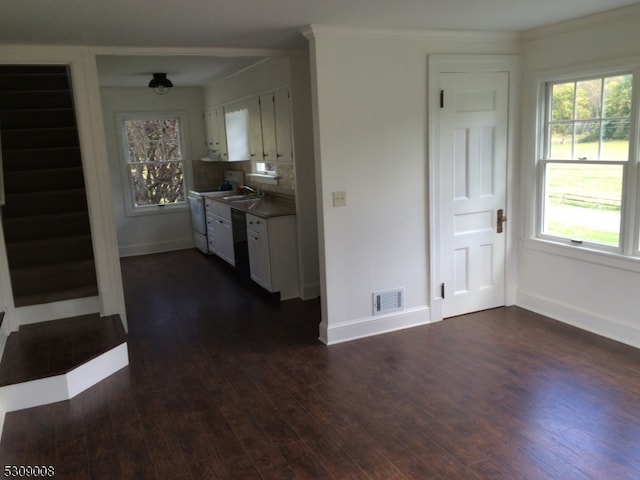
(438, 64)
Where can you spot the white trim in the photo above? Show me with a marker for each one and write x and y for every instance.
(470, 63)
(533, 193)
(598, 19)
(312, 31)
(62, 387)
(130, 209)
(369, 326)
(584, 319)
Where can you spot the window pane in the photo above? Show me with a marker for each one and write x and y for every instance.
(154, 152)
(582, 202)
(589, 99)
(617, 96)
(172, 150)
(562, 101)
(157, 184)
(561, 141)
(135, 130)
(137, 152)
(587, 137)
(615, 145)
(153, 129)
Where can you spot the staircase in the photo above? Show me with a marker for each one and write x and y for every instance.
(45, 217)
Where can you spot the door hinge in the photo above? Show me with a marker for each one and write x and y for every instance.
(442, 290)
(441, 98)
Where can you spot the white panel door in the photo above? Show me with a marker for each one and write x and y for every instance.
(473, 167)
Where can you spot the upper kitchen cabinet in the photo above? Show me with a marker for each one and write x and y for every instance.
(282, 114)
(216, 132)
(255, 128)
(237, 126)
(275, 115)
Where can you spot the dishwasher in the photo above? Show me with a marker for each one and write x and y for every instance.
(240, 243)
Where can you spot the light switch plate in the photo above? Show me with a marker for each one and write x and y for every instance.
(339, 199)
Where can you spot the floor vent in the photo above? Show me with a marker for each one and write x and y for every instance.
(388, 301)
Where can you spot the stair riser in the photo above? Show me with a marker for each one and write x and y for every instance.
(30, 254)
(12, 119)
(43, 180)
(29, 281)
(28, 100)
(40, 138)
(34, 228)
(45, 203)
(21, 160)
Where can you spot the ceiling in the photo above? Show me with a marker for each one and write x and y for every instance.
(255, 24)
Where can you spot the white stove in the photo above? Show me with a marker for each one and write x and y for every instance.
(198, 214)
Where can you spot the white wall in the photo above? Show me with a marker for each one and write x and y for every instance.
(592, 291)
(370, 121)
(158, 232)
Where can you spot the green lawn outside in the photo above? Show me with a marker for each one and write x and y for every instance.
(591, 191)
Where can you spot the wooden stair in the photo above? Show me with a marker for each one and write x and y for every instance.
(45, 217)
(52, 361)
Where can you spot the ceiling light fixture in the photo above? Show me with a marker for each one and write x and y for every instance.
(160, 83)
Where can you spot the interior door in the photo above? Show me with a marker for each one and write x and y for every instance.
(473, 167)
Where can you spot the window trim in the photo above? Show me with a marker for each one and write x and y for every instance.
(131, 210)
(629, 249)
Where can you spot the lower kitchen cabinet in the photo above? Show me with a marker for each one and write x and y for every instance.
(219, 231)
(273, 254)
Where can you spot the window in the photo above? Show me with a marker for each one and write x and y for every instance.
(154, 161)
(585, 161)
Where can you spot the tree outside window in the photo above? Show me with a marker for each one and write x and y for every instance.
(154, 158)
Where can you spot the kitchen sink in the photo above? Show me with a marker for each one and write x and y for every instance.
(236, 198)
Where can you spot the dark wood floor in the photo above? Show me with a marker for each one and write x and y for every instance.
(225, 383)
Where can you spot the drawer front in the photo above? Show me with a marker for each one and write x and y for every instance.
(217, 208)
(257, 224)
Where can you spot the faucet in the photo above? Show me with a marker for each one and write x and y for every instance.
(249, 189)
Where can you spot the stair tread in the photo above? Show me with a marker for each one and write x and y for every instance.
(55, 347)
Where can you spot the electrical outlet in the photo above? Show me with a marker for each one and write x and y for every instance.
(339, 199)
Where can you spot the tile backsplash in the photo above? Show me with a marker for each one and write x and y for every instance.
(210, 174)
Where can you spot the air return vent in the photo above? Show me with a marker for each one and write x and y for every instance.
(388, 301)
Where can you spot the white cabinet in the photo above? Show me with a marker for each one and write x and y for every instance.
(219, 231)
(255, 128)
(282, 116)
(216, 132)
(275, 116)
(273, 254)
(236, 120)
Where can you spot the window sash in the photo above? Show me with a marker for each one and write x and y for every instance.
(626, 159)
(153, 152)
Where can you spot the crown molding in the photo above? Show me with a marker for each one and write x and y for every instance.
(315, 31)
(611, 16)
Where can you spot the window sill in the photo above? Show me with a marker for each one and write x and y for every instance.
(262, 178)
(584, 254)
(157, 210)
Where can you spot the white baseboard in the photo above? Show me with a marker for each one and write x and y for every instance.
(611, 328)
(57, 310)
(63, 387)
(374, 325)
(155, 247)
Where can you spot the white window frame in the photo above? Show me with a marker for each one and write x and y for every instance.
(127, 183)
(627, 256)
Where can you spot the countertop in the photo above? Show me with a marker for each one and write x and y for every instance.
(264, 207)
